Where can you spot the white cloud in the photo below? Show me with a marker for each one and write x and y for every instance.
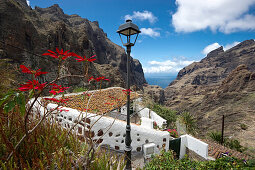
(168, 66)
(226, 16)
(210, 47)
(28, 2)
(150, 32)
(216, 45)
(145, 15)
(228, 46)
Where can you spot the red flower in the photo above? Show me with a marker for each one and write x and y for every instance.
(79, 58)
(91, 78)
(51, 99)
(60, 54)
(57, 100)
(62, 110)
(127, 90)
(173, 132)
(32, 85)
(28, 70)
(114, 98)
(86, 93)
(40, 86)
(110, 103)
(101, 78)
(98, 79)
(57, 89)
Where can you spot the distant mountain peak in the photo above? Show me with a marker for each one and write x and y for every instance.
(215, 52)
(41, 29)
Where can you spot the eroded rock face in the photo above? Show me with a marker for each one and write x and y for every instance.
(47, 28)
(211, 70)
(220, 84)
(154, 92)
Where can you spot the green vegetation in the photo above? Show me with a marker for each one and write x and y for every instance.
(234, 144)
(189, 121)
(244, 126)
(79, 89)
(48, 147)
(31, 138)
(7, 76)
(171, 116)
(166, 161)
(215, 136)
(230, 143)
(165, 113)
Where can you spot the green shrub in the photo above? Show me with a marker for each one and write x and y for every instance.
(165, 113)
(234, 144)
(48, 147)
(215, 136)
(189, 121)
(8, 77)
(230, 143)
(244, 126)
(79, 89)
(166, 161)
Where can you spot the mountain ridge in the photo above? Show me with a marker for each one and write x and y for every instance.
(41, 29)
(220, 84)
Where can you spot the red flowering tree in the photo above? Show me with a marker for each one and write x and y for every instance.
(86, 61)
(33, 89)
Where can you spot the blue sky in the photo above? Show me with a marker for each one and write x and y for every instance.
(174, 32)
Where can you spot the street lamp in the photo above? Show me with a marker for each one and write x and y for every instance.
(128, 29)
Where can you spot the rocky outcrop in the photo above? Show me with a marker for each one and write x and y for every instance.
(211, 70)
(223, 83)
(154, 92)
(27, 33)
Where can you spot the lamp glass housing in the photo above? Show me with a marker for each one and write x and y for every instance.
(128, 29)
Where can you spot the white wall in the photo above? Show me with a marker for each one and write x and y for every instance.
(146, 122)
(146, 112)
(193, 144)
(115, 136)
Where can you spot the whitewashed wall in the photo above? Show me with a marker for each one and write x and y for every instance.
(106, 130)
(193, 144)
(146, 122)
(146, 112)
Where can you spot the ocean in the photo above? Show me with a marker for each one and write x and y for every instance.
(161, 80)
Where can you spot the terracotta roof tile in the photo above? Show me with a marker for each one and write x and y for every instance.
(102, 101)
(215, 150)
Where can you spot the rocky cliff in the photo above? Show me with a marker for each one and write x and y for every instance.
(211, 70)
(26, 33)
(223, 83)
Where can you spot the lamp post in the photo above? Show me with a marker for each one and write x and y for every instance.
(128, 29)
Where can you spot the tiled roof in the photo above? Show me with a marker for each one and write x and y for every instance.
(100, 101)
(215, 150)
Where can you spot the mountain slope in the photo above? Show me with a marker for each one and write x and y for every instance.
(223, 83)
(211, 70)
(37, 30)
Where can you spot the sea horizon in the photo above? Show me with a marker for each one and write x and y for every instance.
(160, 80)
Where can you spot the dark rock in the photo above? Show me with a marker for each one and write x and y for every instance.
(154, 92)
(38, 30)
